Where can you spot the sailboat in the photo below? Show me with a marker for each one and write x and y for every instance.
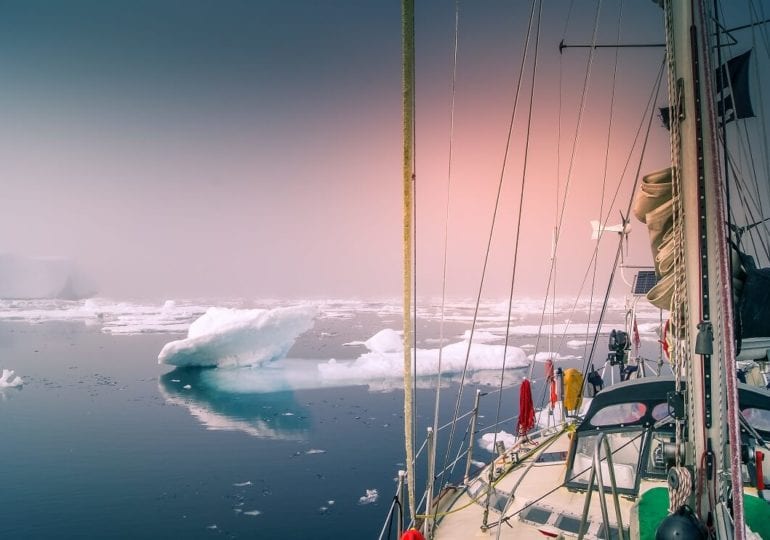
(683, 456)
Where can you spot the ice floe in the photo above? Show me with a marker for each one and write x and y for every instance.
(9, 379)
(370, 497)
(226, 337)
(488, 440)
(548, 355)
(386, 364)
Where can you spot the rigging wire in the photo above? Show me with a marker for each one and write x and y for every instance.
(649, 107)
(604, 184)
(432, 472)
(581, 110)
(620, 240)
(518, 233)
(491, 230)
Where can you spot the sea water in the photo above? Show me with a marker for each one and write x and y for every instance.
(102, 442)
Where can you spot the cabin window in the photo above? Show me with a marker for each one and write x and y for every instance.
(660, 411)
(537, 514)
(757, 418)
(619, 414)
(626, 451)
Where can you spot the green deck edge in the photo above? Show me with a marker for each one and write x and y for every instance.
(653, 507)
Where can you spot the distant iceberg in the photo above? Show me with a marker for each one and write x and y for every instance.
(225, 337)
(42, 277)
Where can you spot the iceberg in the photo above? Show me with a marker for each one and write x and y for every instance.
(42, 277)
(227, 337)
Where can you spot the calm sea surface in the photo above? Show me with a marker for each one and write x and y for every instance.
(102, 442)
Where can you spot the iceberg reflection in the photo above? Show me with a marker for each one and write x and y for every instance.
(274, 415)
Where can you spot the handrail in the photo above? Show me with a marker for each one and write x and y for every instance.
(596, 474)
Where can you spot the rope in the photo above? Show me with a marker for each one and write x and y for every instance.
(679, 355)
(679, 488)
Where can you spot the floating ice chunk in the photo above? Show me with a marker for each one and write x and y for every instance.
(577, 343)
(385, 341)
(370, 497)
(487, 440)
(243, 484)
(10, 379)
(227, 337)
(187, 387)
(252, 513)
(548, 355)
(315, 451)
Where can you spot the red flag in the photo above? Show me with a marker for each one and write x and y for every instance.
(637, 339)
(664, 341)
(526, 409)
(551, 380)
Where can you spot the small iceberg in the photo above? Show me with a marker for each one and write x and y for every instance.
(9, 379)
(225, 337)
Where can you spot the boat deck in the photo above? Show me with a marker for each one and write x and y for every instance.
(530, 497)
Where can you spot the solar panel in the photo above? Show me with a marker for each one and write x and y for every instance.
(645, 280)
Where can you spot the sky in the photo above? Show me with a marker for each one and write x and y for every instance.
(253, 148)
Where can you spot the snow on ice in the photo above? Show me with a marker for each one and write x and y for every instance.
(226, 337)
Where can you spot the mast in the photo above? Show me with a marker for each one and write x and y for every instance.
(407, 31)
(702, 307)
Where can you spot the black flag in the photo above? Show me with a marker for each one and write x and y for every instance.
(735, 100)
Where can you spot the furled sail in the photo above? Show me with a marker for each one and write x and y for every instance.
(654, 207)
